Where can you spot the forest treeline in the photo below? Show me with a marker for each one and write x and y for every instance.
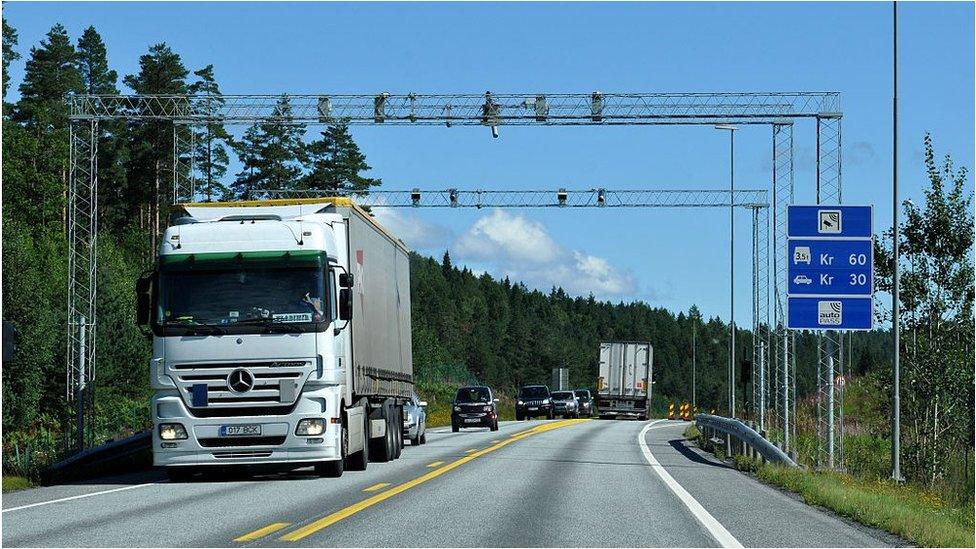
(466, 327)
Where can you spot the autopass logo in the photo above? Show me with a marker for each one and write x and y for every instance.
(830, 313)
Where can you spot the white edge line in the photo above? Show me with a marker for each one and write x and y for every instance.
(714, 527)
(38, 504)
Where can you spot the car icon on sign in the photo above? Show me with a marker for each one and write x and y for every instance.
(802, 279)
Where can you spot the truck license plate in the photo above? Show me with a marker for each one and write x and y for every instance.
(533, 408)
(247, 430)
(472, 420)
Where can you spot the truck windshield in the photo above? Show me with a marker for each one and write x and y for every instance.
(534, 392)
(562, 396)
(472, 394)
(583, 395)
(242, 296)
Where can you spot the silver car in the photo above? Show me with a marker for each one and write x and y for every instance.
(566, 404)
(415, 420)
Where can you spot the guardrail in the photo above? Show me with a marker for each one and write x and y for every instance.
(746, 439)
(117, 456)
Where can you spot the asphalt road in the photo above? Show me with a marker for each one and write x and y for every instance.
(540, 483)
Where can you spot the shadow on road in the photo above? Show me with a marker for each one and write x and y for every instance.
(678, 444)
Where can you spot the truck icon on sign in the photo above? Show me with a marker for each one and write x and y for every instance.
(801, 254)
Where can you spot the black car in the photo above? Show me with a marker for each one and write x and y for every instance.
(585, 402)
(534, 401)
(474, 407)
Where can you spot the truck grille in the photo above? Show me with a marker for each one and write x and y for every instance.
(273, 384)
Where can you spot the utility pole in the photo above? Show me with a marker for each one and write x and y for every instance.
(895, 312)
(731, 377)
(694, 362)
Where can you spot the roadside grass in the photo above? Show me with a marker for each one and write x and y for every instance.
(920, 516)
(13, 483)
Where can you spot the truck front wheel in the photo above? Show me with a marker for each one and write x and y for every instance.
(336, 467)
(359, 460)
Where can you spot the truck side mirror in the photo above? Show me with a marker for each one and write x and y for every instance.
(144, 299)
(345, 304)
(346, 280)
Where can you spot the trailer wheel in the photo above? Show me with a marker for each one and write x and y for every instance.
(359, 460)
(398, 432)
(382, 450)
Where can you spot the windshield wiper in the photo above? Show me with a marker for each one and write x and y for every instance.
(269, 325)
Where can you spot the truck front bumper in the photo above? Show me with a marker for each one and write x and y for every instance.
(277, 442)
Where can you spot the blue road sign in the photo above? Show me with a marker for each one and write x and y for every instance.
(830, 268)
(830, 221)
(834, 267)
(830, 313)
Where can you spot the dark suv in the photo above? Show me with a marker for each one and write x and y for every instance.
(585, 402)
(474, 407)
(534, 401)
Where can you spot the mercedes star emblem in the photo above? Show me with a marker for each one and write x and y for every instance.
(240, 381)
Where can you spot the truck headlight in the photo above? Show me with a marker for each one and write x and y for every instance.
(457, 408)
(310, 427)
(519, 403)
(172, 431)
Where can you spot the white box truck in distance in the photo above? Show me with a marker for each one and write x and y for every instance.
(624, 385)
(281, 335)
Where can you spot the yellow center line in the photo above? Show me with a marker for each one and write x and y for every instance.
(261, 532)
(335, 517)
(376, 487)
(435, 464)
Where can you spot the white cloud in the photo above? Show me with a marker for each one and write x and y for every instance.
(523, 250)
(417, 233)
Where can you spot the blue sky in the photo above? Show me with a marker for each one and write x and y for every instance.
(667, 258)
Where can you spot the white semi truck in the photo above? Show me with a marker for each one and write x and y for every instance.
(281, 335)
(626, 379)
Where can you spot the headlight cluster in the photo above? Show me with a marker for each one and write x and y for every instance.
(310, 427)
(457, 408)
(172, 431)
(520, 403)
(488, 408)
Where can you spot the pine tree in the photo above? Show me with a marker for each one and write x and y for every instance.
(9, 54)
(50, 75)
(337, 163)
(210, 153)
(248, 150)
(273, 154)
(113, 149)
(161, 71)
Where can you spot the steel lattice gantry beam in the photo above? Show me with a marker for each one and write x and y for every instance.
(780, 110)
(557, 198)
(489, 109)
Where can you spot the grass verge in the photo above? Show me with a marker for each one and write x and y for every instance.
(917, 515)
(14, 483)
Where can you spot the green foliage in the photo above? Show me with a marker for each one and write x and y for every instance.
(936, 322)
(9, 54)
(14, 483)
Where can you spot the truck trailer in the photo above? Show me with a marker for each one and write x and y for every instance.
(281, 335)
(626, 378)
